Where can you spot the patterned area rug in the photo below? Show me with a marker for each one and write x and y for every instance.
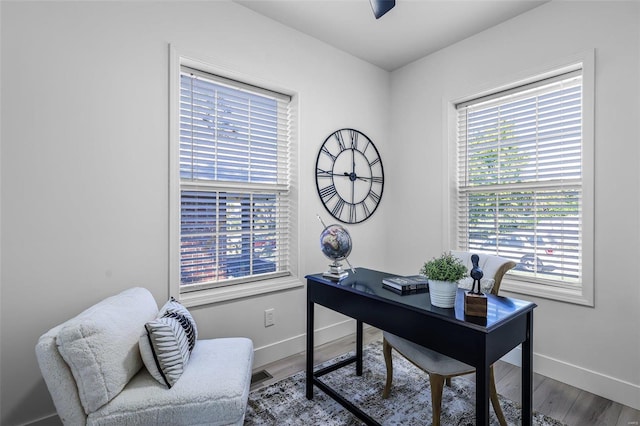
(284, 403)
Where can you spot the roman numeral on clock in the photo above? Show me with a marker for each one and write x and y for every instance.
(323, 173)
(337, 209)
(328, 192)
(352, 213)
(374, 196)
(327, 152)
(340, 140)
(365, 208)
(354, 139)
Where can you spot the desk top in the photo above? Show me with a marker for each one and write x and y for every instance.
(369, 283)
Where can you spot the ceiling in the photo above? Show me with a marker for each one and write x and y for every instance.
(409, 31)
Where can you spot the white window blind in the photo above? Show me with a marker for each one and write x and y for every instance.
(234, 182)
(520, 177)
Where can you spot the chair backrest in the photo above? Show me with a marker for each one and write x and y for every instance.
(492, 266)
(88, 359)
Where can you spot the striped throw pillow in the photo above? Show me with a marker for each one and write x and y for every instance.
(168, 342)
(174, 309)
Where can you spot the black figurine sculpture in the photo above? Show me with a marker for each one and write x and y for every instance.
(475, 303)
(476, 273)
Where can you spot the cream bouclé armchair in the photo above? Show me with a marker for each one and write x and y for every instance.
(441, 368)
(93, 367)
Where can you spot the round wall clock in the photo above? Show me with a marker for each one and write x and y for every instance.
(349, 176)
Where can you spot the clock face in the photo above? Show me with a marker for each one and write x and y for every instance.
(349, 176)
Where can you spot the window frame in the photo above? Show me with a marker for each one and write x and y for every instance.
(178, 59)
(582, 294)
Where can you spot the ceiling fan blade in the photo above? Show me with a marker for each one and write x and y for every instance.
(380, 7)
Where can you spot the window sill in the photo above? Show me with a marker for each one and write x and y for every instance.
(576, 295)
(238, 291)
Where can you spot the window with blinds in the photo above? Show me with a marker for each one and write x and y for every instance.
(234, 182)
(520, 178)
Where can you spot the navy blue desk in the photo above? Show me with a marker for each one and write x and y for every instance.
(476, 341)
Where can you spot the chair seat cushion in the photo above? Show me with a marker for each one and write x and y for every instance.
(430, 361)
(213, 390)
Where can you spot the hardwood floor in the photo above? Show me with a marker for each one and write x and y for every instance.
(566, 403)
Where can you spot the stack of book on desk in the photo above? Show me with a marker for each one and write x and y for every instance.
(406, 285)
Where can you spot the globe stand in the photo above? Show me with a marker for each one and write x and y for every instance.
(335, 271)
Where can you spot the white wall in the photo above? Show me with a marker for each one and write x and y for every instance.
(597, 349)
(84, 175)
(85, 165)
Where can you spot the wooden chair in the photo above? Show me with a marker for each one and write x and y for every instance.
(441, 368)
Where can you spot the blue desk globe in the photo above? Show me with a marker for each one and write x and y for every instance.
(335, 243)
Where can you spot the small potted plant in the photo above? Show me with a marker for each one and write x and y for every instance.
(443, 274)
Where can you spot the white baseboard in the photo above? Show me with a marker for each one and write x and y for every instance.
(51, 420)
(612, 388)
(296, 344)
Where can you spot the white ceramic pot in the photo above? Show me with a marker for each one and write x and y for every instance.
(443, 293)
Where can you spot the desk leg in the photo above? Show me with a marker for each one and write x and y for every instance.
(527, 374)
(310, 306)
(358, 348)
(482, 396)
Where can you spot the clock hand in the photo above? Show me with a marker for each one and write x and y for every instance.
(353, 160)
(326, 173)
(353, 176)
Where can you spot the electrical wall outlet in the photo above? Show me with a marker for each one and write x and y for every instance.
(268, 317)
